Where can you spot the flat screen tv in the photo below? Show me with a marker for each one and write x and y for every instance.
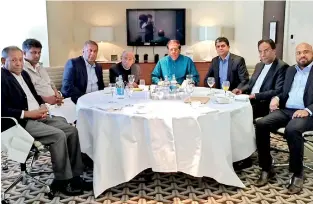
(155, 27)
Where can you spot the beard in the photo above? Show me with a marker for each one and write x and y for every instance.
(305, 63)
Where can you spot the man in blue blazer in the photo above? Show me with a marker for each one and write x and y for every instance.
(82, 74)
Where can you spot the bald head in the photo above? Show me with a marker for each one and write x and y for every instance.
(128, 59)
(304, 55)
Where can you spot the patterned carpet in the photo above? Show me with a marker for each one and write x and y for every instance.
(150, 188)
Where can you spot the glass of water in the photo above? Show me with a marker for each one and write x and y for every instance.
(142, 84)
(211, 82)
(112, 90)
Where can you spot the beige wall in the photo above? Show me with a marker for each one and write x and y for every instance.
(60, 31)
(76, 18)
(299, 23)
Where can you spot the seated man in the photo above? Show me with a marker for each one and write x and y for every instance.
(21, 101)
(82, 74)
(293, 110)
(162, 40)
(125, 67)
(39, 75)
(227, 67)
(174, 64)
(267, 80)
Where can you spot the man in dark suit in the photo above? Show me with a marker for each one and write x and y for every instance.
(293, 110)
(267, 80)
(21, 101)
(227, 67)
(82, 74)
(125, 68)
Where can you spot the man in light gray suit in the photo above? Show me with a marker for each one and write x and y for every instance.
(125, 67)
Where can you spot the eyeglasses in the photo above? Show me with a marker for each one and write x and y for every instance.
(303, 52)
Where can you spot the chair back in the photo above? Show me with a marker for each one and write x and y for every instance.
(16, 142)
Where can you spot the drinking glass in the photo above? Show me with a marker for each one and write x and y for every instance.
(112, 90)
(189, 89)
(211, 82)
(142, 84)
(225, 86)
(189, 77)
(131, 79)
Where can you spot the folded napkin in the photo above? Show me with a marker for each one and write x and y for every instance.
(242, 97)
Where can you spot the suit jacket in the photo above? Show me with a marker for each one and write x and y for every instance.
(308, 91)
(273, 82)
(14, 99)
(237, 75)
(75, 78)
(117, 69)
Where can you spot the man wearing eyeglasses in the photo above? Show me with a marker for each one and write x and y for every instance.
(125, 68)
(174, 64)
(227, 67)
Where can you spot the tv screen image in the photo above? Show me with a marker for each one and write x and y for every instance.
(155, 27)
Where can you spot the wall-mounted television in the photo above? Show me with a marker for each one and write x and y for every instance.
(155, 27)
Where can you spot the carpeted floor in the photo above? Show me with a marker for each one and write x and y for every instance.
(168, 188)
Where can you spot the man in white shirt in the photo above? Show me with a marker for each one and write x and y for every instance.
(267, 80)
(21, 101)
(39, 75)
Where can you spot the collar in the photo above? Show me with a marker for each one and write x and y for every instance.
(89, 65)
(306, 69)
(28, 66)
(126, 67)
(226, 58)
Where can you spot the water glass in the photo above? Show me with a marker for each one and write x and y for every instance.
(211, 82)
(131, 79)
(142, 84)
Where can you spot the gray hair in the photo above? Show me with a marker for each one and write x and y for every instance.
(6, 50)
(126, 52)
(90, 42)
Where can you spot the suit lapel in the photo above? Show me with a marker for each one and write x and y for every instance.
(270, 72)
(230, 65)
(308, 83)
(290, 79)
(84, 72)
(257, 74)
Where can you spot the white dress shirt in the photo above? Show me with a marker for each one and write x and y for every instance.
(31, 101)
(259, 81)
(40, 78)
(92, 83)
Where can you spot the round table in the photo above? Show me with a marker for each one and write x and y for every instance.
(126, 136)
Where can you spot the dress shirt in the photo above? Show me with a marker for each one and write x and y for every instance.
(295, 99)
(31, 101)
(40, 78)
(223, 69)
(259, 81)
(92, 83)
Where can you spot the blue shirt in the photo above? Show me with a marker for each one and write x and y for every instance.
(181, 67)
(223, 69)
(295, 99)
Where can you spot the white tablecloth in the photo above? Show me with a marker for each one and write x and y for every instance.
(66, 110)
(170, 137)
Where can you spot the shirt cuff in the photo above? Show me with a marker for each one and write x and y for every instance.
(22, 115)
(310, 112)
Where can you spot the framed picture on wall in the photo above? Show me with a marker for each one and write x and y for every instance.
(273, 30)
(114, 58)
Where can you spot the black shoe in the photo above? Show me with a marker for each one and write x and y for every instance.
(79, 183)
(296, 185)
(243, 164)
(65, 187)
(265, 176)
